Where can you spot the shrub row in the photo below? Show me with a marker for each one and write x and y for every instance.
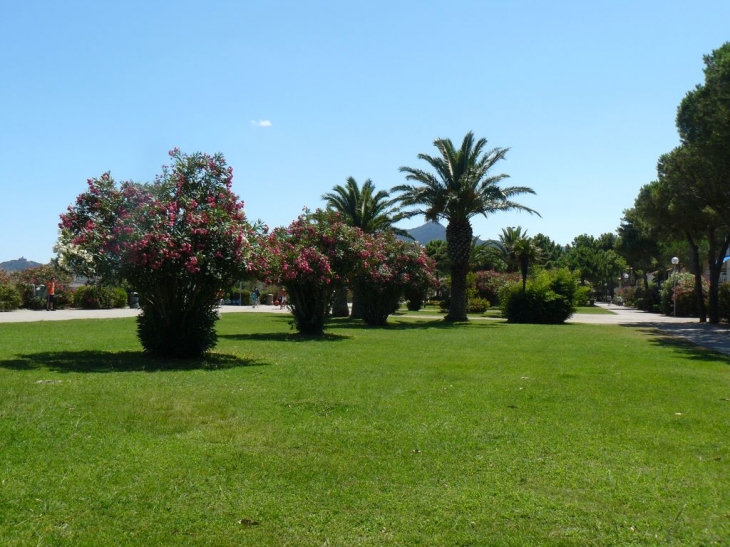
(99, 297)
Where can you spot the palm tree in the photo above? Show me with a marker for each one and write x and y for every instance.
(364, 208)
(483, 255)
(509, 237)
(368, 210)
(526, 252)
(460, 189)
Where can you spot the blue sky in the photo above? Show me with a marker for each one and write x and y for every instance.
(583, 93)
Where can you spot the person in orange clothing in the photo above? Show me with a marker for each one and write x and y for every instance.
(50, 293)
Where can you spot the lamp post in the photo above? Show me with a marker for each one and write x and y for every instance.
(675, 261)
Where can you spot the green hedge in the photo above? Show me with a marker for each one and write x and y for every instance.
(99, 297)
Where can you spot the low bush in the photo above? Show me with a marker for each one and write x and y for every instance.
(548, 298)
(415, 298)
(583, 296)
(99, 297)
(477, 305)
(9, 298)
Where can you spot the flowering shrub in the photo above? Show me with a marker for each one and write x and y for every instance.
(488, 284)
(179, 242)
(685, 294)
(311, 258)
(386, 268)
(626, 294)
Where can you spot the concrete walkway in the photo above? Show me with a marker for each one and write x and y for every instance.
(714, 337)
(29, 316)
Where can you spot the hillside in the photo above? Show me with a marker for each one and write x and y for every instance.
(428, 232)
(18, 265)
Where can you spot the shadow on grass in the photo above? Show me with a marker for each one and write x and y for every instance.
(291, 335)
(345, 323)
(284, 337)
(395, 323)
(126, 361)
(700, 342)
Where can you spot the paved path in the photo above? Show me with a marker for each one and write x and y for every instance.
(715, 337)
(29, 316)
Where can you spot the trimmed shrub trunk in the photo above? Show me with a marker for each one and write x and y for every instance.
(310, 303)
(377, 303)
(339, 303)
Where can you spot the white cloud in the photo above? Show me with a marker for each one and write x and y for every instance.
(261, 123)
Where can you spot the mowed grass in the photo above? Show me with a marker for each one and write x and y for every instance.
(417, 434)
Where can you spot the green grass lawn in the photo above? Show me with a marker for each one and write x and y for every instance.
(419, 434)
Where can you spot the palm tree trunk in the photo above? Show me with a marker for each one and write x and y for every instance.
(458, 303)
(458, 241)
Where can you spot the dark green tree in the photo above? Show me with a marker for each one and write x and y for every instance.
(684, 179)
(458, 188)
(703, 121)
(639, 243)
(550, 251)
(581, 256)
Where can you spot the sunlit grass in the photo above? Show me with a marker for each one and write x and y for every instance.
(418, 434)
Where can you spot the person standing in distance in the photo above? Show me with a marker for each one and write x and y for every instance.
(50, 293)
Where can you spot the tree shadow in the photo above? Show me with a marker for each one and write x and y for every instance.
(699, 342)
(125, 361)
(412, 324)
(284, 337)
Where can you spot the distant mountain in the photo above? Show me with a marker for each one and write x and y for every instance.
(428, 232)
(18, 265)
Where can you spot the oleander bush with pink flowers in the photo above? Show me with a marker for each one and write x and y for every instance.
(311, 257)
(681, 286)
(386, 270)
(179, 242)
